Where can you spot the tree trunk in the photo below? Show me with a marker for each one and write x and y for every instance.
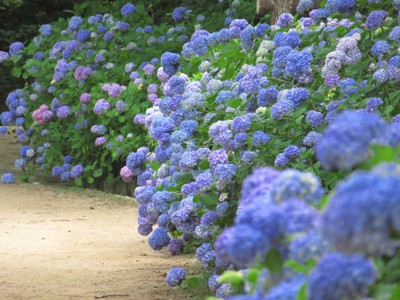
(283, 6)
(278, 7)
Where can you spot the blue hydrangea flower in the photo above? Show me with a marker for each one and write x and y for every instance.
(315, 118)
(170, 62)
(311, 138)
(298, 63)
(285, 20)
(380, 48)
(74, 23)
(16, 48)
(225, 172)
(205, 254)
(291, 151)
(260, 138)
(4, 56)
(175, 276)
(287, 290)
(178, 14)
(308, 246)
(347, 139)
(161, 201)
(175, 246)
(281, 160)
(339, 276)
(128, 9)
(373, 104)
(7, 178)
(375, 19)
(251, 81)
(159, 239)
(394, 35)
(362, 213)
(241, 244)
(46, 29)
(247, 38)
(290, 39)
(344, 6)
(304, 6)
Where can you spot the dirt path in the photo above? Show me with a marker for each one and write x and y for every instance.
(61, 244)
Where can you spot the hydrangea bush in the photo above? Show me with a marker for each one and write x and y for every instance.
(87, 78)
(272, 151)
(258, 132)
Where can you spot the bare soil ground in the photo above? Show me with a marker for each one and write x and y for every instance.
(63, 243)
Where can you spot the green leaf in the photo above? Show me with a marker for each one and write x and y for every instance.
(90, 180)
(274, 260)
(97, 173)
(302, 294)
(234, 103)
(16, 72)
(301, 268)
(396, 293)
(233, 277)
(78, 181)
(154, 165)
(252, 276)
(193, 282)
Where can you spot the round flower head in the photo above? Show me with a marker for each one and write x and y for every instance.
(339, 276)
(347, 139)
(175, 246)
(175, 276)
(375, 19)
(7, 178)
(285, 20)
(179, 14)
(128, 9)
(362, 213)
(46, 29)
(170, 62)
(241, 244)
(16, 48)
(4, 56)
(159, 239)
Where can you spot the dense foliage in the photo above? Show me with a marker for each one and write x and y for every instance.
(88, 78)
(272, 151)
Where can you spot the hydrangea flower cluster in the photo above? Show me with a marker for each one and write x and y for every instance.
(218, 110)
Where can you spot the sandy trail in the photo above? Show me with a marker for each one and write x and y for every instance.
(58, 243)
